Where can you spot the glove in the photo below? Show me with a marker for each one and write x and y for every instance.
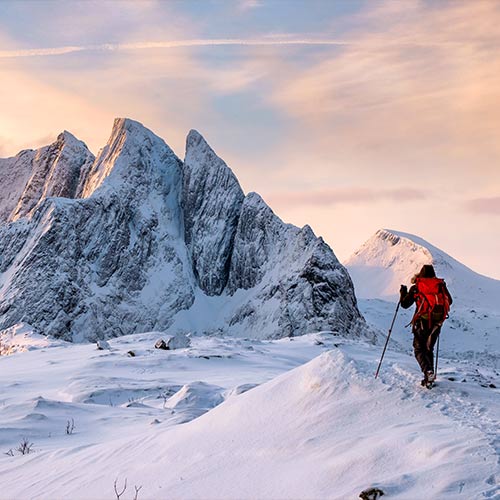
(403, 291)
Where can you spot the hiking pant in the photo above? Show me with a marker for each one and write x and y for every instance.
(424, 339)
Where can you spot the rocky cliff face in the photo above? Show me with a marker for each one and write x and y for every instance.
(136, 240)
(212, 200)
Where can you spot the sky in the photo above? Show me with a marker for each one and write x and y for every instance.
(346, 115)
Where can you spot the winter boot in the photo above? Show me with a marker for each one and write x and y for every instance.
(429, 379)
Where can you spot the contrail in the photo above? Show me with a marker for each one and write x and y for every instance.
(171, 44)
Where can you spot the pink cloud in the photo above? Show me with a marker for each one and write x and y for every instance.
(484, 205)
(417, 86)
(353, 195)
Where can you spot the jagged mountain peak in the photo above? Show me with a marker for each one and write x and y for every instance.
(194, 138)
(131, 128)
(201, 156)
(256, 200)
(134, 157)
(212, 201)
(67, 138)
(34, 175)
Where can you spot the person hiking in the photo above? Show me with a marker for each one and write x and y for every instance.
(433, 301)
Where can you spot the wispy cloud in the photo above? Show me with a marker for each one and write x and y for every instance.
(351, 195)
(269, 40)
(484, 205)
(245, 5)
(418, 88)
(169, 44)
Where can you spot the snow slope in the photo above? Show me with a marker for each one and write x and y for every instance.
(391, 258)
(188, 424)
(137, 240)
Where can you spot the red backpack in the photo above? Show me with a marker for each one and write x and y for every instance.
(432, 301)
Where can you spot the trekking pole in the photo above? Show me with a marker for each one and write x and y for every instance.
(387, 341)
(437, 357)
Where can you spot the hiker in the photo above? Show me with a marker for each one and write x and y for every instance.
(433, 301)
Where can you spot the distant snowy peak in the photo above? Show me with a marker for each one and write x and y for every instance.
(34, 175)
(391, 258)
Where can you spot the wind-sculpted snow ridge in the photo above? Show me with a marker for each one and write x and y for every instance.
(138, 240)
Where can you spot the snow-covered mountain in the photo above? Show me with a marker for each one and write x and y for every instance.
(136, 240)
(390, 258)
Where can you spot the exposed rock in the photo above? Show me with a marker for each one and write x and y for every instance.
(371, 494)
(294, 271)
(161, 344)
(54, 171)
(14, 174)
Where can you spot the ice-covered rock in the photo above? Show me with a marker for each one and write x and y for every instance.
(138, 240)
(178, 341)
(103, 345)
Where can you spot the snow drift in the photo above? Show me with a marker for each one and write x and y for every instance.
(323, 430)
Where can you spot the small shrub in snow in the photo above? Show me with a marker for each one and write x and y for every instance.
(70, 427)
(137, 489)
(164, 396)
(25, 447)
(120, 493)
(10, 453)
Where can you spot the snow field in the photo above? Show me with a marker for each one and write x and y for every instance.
(191, 424)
